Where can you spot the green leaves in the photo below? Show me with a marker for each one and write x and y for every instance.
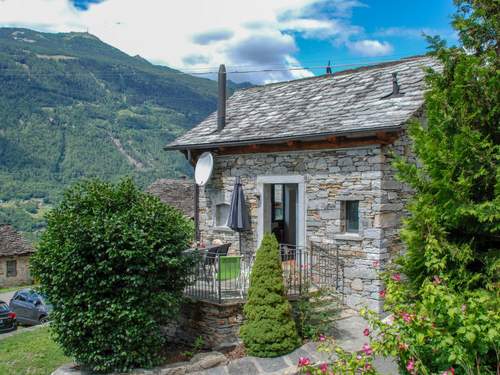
(111, 263)
(269, 329)
(446, 311)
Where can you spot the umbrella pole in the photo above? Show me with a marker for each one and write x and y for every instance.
(239, 237)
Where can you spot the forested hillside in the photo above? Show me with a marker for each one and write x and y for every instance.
(72, 106)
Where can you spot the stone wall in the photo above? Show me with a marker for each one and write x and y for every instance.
(23, 276)
(330, 177)
(217, 324)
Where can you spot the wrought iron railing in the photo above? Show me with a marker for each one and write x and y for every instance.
(221, 278)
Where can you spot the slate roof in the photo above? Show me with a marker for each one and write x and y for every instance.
(177, 193)
(12, 243)
(349, 101)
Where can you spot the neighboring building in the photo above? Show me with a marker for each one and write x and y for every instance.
(314, 160)
(15, 253)
(177, 193)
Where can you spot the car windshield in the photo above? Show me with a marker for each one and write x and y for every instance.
(4, 307)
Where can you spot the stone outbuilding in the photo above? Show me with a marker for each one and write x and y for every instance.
(15, 253)
(314, 159)
(177, 193)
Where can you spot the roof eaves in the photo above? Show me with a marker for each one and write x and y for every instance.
(273, 140)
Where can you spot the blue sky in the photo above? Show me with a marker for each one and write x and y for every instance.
(198, 35)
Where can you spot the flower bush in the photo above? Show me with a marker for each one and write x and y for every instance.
(443, 294)
(111, 264)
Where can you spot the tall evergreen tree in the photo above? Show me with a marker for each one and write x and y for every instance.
(446, 310)
(454, 227)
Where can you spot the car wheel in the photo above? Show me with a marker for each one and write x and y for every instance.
(43, 319)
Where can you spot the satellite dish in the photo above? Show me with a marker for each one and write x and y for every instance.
(204, 168)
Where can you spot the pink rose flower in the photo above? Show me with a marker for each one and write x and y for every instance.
(322, 338)
(367, 349)
(376, 263)
(410, 366)
(437, 280)
(366, 332)
(396, 277)
(406, 317)
(304, 361)
(324, 368)
(382, 293)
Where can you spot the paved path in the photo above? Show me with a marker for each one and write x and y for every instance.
(348, 333)
(6, 296)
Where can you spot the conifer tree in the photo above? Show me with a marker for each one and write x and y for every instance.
(269, 329)
(445, 309)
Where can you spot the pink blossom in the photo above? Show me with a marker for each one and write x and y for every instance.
(324, 368)
(406, 317)
(396, 277)
(322, 338)
(410, 366)
(359, 357)
(451, 371)
(366, 332)
(367, 349)
(368, 366)
(376, 263)
(304, 361)
(437, 280)
(382, 293)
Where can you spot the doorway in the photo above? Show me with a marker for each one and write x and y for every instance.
(281, 209)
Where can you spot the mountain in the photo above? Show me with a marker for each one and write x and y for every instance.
(72, 106)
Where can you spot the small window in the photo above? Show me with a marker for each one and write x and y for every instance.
(277, 201)
(221, 215)
(351, 215)
(11, 268)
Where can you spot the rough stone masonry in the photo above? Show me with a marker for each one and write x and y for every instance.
(331, 177)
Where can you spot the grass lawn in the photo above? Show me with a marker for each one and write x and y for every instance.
(30, 353)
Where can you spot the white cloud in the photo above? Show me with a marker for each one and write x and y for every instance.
(195, 34)
(370, 48)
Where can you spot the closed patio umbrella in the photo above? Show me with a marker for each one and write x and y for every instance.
(238, 215)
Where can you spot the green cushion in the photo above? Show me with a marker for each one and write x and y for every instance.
(229, 267)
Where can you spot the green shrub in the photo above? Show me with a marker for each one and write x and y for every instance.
(315, 312)
(269, 329)
(111, 263)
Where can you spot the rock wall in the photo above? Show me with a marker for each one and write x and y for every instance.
(217, 324)
(331, 177)
(23, 276)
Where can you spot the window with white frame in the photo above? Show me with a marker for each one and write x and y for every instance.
(221, 214)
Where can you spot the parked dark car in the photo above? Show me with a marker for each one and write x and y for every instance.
(8, 320)
(30, 307)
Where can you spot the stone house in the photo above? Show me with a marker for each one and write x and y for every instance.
(177, 193)
(15, 253)
(314, 159)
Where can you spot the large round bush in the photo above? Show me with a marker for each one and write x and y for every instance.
(111, 263)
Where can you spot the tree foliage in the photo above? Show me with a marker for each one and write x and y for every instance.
(269, 329)
(111, 264)
(446, 306)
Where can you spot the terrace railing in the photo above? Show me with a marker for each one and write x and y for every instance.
(222, 278)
